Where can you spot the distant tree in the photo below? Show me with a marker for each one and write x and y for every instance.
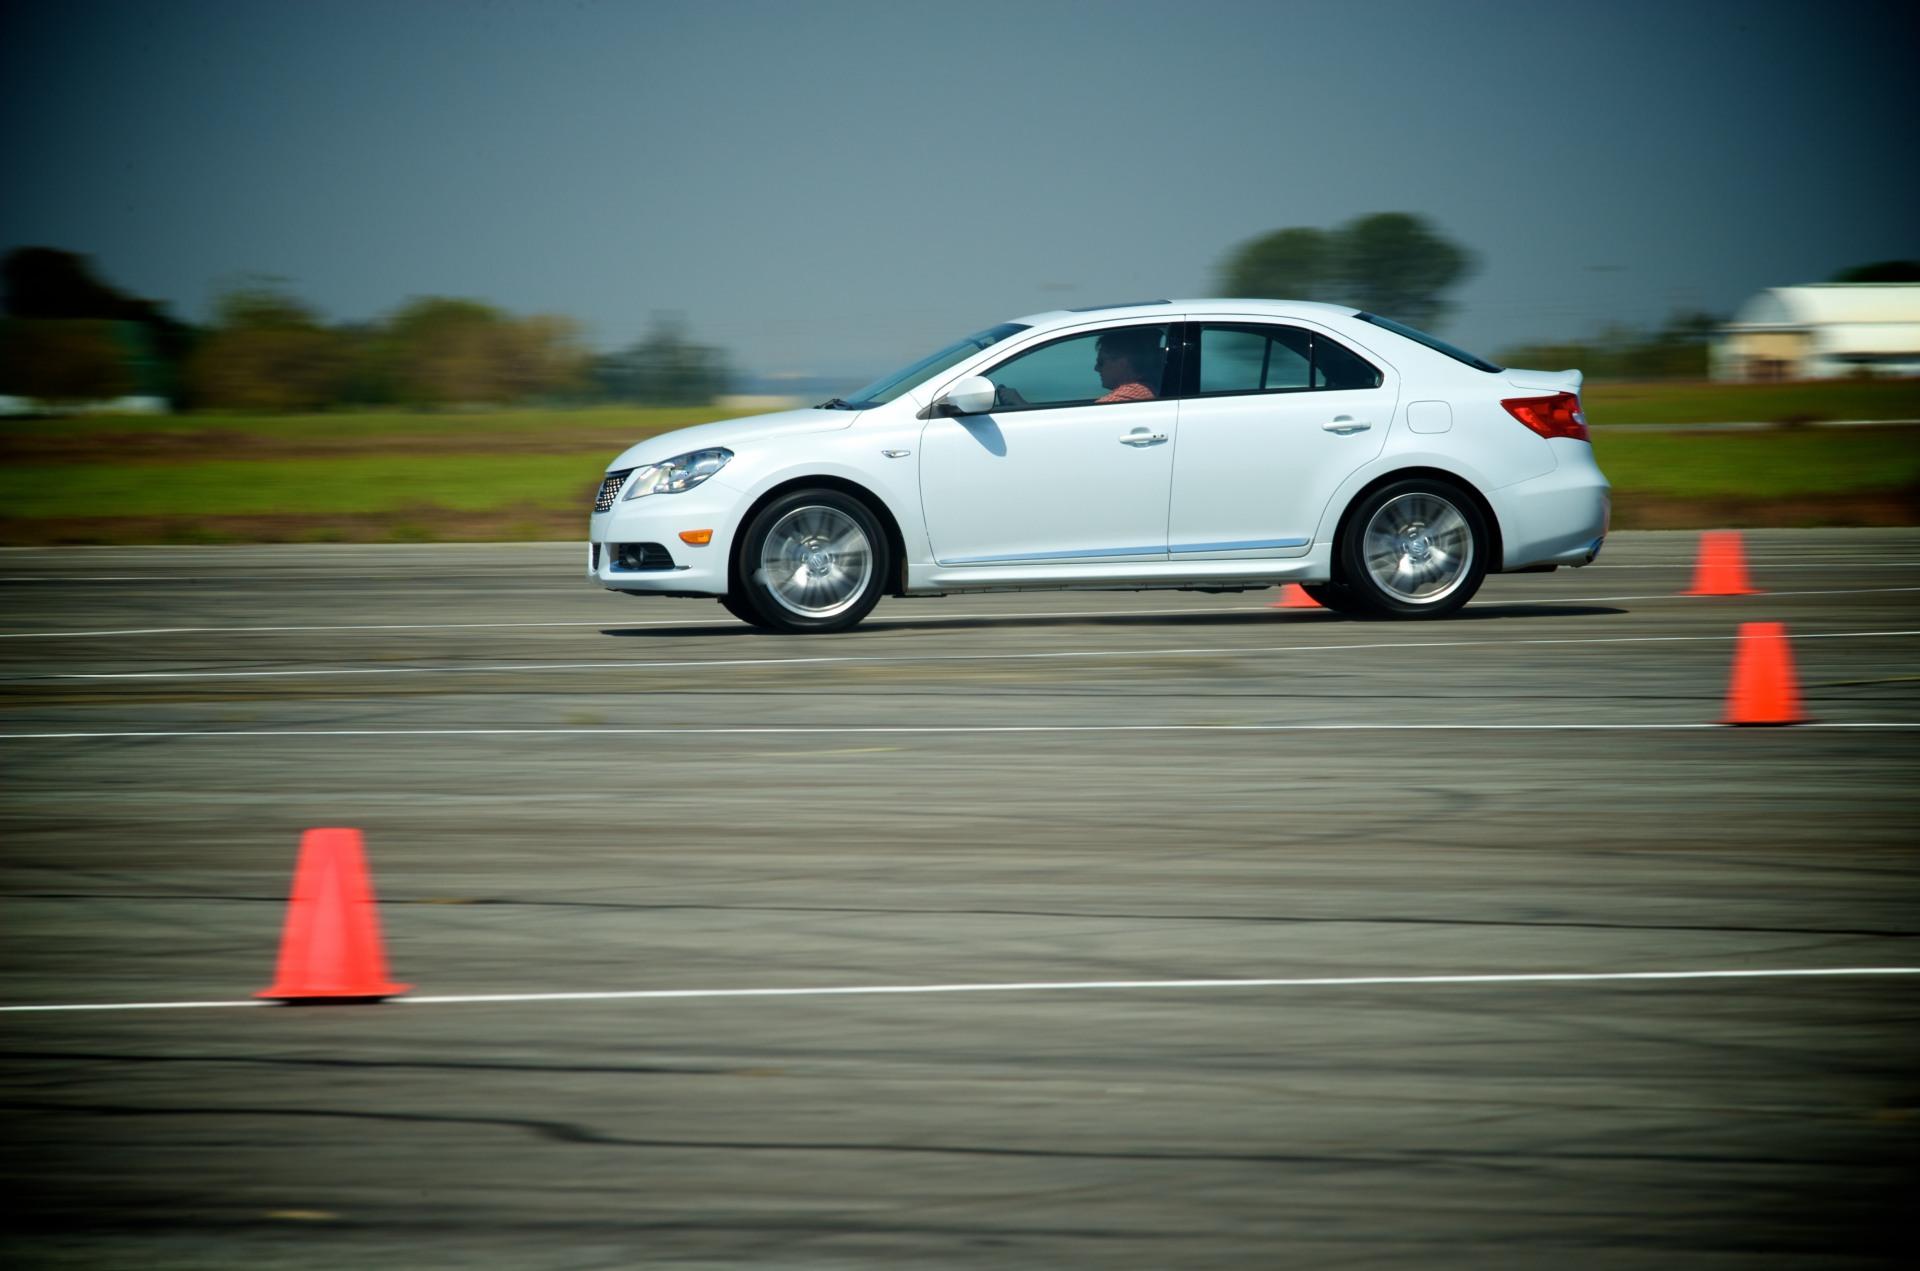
(368, 376)
(268, 351)
(261, 302)
(1882, 271)
(1398, 266)
(663, 369)
(47, 283)
(439, 350)
(539, 355)
(1298, 264)
(1677, 350)
(1683, 345)
(446, 351)
(65, 361)
(1393, 263)
(1583, 355)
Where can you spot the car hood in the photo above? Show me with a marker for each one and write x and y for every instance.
(732, 433)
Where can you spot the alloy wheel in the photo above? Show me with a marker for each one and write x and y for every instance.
(815, 561)
(1418, 548)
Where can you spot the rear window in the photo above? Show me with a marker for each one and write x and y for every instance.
(1433, 342)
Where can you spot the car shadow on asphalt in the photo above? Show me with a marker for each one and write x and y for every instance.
(1536, 609)
(879, 624)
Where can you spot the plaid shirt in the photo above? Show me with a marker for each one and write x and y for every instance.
(1131, 392)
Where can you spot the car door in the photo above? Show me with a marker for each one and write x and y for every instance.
(1278, 416)
(1067, 467)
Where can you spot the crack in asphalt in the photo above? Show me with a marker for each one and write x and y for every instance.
(570, 1133)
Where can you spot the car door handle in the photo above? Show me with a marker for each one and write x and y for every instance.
(1344, 424)
(1141, 437)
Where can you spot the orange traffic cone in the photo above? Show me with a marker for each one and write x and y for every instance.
(1722, 567)
(330, 949)
(1294, 596)
(1763, 689)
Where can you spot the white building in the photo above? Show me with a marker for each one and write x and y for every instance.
(1822, 331)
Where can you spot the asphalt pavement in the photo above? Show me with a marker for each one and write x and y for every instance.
(1018, 930)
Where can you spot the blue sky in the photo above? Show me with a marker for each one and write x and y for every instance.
(835, 187)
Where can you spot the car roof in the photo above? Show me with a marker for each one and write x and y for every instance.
(1161, 308)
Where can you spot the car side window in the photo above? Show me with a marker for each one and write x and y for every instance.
(1337, 366)
(1263, 359)
(1232, 361)
(1119, 364)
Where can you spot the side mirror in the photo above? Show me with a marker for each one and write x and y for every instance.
(971, 396)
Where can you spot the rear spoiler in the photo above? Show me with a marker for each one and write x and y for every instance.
(1546, 381)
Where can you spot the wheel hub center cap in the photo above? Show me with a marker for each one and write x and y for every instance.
(1416, 544)
(819, 562)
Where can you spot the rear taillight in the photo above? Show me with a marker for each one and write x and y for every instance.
(1556, 416)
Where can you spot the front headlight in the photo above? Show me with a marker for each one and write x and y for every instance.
(682, 472)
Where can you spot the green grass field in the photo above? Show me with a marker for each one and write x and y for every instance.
(346, 485)
(1775, 464)
(529, 474)
(474, 429)
(1689, 403)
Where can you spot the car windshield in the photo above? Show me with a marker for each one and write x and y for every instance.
(888, 387)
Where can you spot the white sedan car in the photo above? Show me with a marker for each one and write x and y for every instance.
(1214, 445)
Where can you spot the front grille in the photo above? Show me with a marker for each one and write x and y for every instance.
(641, 556)
(610, 489)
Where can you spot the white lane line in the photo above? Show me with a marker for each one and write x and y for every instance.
(896, 659)
(616, 623)
(370, 626)
(1485, 601)
(863, 730)
(542, 544)
(1052, 986)
(982, 615)
(100, 578)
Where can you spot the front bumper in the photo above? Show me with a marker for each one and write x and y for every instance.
(670, 567)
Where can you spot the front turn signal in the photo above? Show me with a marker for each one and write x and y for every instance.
(696, 538)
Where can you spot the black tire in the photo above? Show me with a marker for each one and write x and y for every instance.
(1415, 548)
(740, 609)
(1332, 596)
(812, 560)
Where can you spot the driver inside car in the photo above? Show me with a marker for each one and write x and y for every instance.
(1128, 362)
